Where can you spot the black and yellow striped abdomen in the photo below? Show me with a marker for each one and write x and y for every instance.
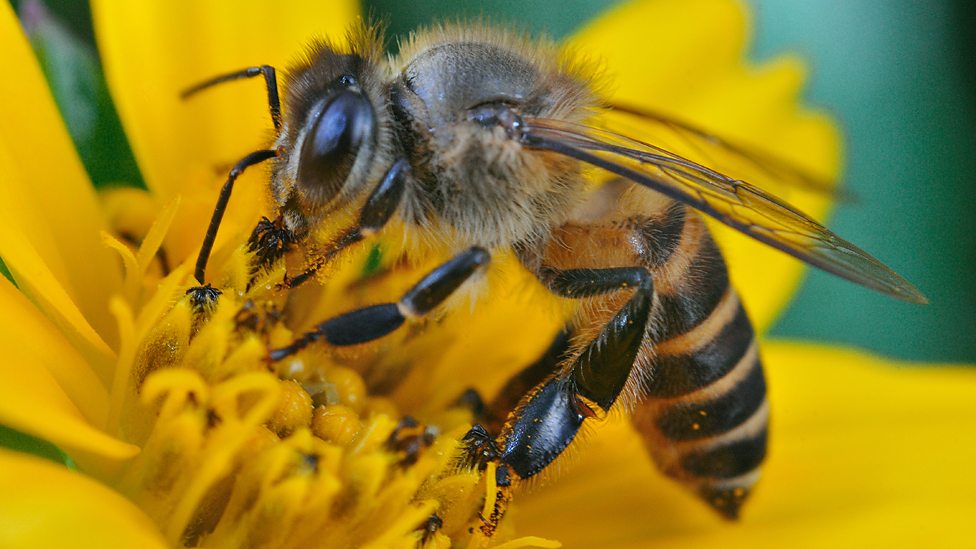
(703, 416)
(697, 389)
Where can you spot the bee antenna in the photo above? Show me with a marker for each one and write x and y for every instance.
(270, 80)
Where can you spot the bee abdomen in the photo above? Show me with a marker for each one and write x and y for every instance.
(706, 418)
(705, 415)
(723, 468)
(713, 412)
(696, 359)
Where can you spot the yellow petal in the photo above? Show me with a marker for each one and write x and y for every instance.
(152, 51)
(687, 60)
(46, 201)
(30, 341)
(51, 297)
(46, 505)
(863, 452)
(31, 401)
(48, 390)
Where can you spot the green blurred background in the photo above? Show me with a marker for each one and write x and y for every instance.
(900, 75)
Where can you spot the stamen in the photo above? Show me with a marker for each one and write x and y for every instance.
(132, 281)
(123, 365)
(491, 490)
(227, 439)
(232, 444)
(176, 388)
(154, 238)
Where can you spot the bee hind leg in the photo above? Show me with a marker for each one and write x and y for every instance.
(492, 414)
(549, 416)
(375, 321)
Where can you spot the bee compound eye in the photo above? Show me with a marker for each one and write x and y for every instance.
(331, 146)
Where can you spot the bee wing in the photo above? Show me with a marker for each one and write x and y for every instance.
(734, 202)
(723, 155)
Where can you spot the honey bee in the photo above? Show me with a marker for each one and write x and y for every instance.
(475, 140)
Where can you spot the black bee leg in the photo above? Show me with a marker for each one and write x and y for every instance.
(429, 528)
(376, 321)
(255, 157)
(550, 415)
(270, 240)
(375, 214)
(521, 383)
(270, 80)
(491, 414)
(385, 199)
(471, 400)
(203, 298)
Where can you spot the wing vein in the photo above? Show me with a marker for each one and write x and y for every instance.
(733, 202)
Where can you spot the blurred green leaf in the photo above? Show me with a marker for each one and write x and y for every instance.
(15, 440)
(5, 272)
(79, 88)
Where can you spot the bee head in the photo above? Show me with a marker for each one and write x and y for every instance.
(331, 136)
(339, 127)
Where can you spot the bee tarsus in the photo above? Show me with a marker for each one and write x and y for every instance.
(429, 527)
(269, 241)
(478, 448)
(203, 297)
(409, 439)
(471, 400)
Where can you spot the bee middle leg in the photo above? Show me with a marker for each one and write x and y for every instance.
(490, 415)
(375, 321)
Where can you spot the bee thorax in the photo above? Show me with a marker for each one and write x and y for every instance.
(458, 107)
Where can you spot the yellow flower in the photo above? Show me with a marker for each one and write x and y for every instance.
(183, 435)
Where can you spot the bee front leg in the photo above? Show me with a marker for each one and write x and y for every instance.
(379, 208)
(255, 157)
(373, 322)
(274, 107)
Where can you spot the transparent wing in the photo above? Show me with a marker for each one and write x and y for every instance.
(703, 147)
(734, 202)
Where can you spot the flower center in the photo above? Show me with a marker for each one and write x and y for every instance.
(312, 450)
